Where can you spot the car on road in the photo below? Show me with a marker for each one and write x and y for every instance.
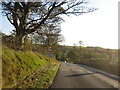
(64, 61)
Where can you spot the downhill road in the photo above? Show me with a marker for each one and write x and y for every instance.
(77, 76)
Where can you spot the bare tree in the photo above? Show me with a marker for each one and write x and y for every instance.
(81, 44)
(29, 17)
(48, 36)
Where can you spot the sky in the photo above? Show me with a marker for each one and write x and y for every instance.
(99, 28)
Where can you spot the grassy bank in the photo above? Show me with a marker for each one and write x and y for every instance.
(104, 65)
(27, 69)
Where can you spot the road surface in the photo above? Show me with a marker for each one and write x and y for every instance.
(77, 76)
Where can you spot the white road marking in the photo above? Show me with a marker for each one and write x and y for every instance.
(69, 69)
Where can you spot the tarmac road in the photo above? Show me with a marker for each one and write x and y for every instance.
(77, 76)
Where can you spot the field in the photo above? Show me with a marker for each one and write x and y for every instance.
(110, 66)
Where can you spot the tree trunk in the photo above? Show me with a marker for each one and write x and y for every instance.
(20, 41)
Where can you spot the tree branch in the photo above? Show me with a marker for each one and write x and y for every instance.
(9, 19)
(43, 20)
(6, 5)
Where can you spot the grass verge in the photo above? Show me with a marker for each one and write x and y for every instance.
(41, 78)
(26, 69)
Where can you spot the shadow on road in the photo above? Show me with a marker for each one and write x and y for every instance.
(77, 75)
